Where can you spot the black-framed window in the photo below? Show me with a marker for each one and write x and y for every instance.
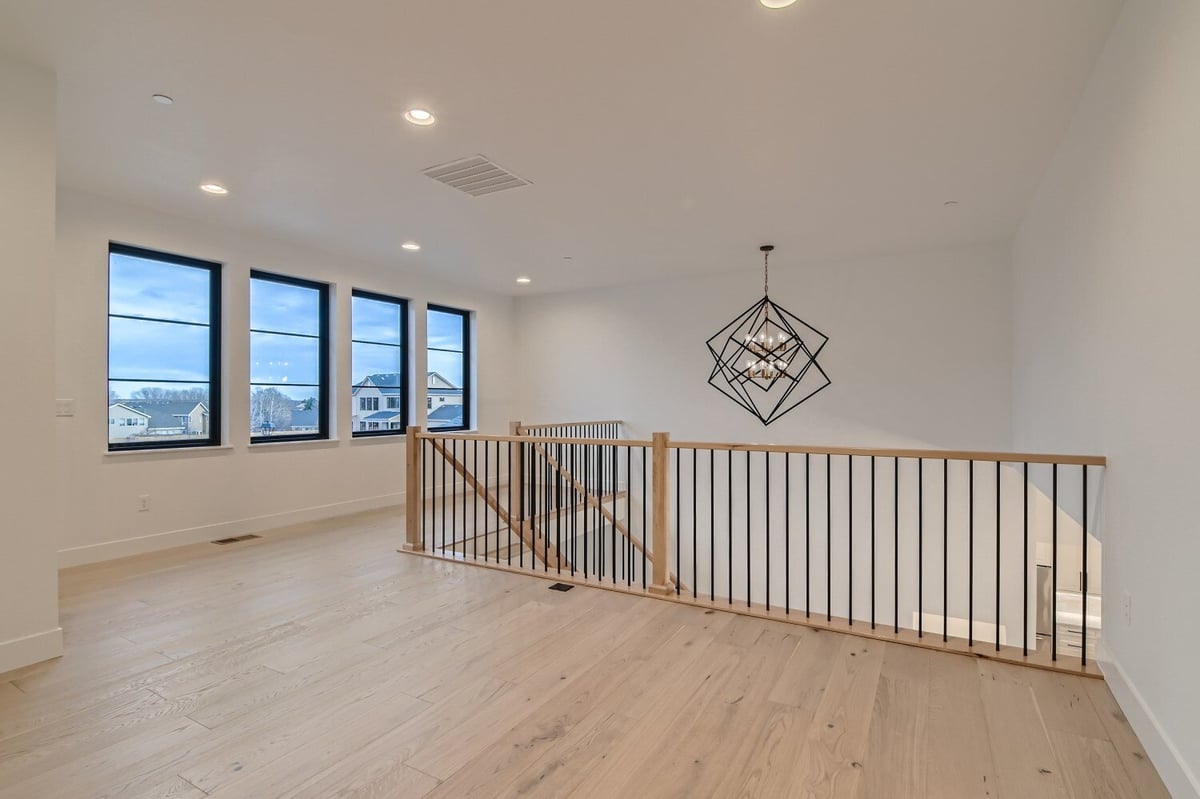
(289, 358)
(164, 350)
(378, 364)
(448, 340)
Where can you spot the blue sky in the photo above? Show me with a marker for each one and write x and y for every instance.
(147, 351)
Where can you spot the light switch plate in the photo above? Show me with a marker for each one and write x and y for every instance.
(64, 407)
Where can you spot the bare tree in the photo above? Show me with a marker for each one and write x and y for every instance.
(270, 409)
(180, 394)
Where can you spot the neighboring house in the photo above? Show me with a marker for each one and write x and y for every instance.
(441, 392)
(145, 418)
(125, 422)
(376, 402)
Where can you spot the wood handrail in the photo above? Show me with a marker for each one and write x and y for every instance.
(525, 427)
(607, 442)
(927, 454)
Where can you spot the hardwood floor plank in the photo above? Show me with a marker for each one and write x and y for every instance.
(1128, 748)
(1025, 760)
(319, 662)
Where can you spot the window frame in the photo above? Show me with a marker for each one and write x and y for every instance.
(405, 367)
(468, 364)
(322, 289)
(214, 269)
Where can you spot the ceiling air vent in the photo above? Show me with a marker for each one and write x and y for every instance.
(475, 175)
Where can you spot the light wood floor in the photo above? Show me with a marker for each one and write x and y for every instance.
(320, 662)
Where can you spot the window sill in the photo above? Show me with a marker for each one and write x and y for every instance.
(186, 452)
(398, 437)
(303, 443)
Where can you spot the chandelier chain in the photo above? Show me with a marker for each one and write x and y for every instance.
(766, 258)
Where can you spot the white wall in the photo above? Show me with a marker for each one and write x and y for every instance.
(29, 628)
(919, 355)
(1108, 359)
(919, 351)
(203, 495)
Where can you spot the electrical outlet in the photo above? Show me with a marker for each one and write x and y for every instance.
(1127, 608)
(143, 503)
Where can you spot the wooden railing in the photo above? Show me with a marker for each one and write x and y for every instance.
(933, 548)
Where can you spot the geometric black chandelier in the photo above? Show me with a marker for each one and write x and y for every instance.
(766, 358)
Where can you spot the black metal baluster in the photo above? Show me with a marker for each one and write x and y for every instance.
(873, 502)
(630, 549)
(695, 523)
(1025, 561)
(424, 469)
(729, 564)
(807, 525)
(444, 460)
(747, 528)
(487, 513)
(945, 550)
(850, 539)
(828, 538)
(767, 526)
(558, 505)
(574, 452)
(787, 533)
(678, 481)
(971, 554)
(1084, 577)
(546, 510)
(896, 546)
(644, 543)
(1054, 562)
(508, 553)
(997, 556)
(920, 547)
(474, 501)
(712, 525)
(585, 515)
(612, 488)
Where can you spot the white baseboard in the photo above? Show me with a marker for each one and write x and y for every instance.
(1174, 771)
(29, 649)
(122, 548)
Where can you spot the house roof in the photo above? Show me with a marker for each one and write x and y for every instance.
(436, 378)
(381, 416)
(162, 413)
(388, 383)
(446, 413)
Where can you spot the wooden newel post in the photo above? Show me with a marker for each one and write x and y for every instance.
(413, 501)
(516, 474)
(661, 583)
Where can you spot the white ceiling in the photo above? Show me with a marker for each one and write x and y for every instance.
(662, 137)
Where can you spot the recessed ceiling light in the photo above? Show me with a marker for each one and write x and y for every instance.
(162, 99)
(776, 3)
(419, 116)
(524, 281)
(411, 246)
(213, 188)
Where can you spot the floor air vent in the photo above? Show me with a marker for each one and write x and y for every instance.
(235, 539)
(475, 175)
(561, 587)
